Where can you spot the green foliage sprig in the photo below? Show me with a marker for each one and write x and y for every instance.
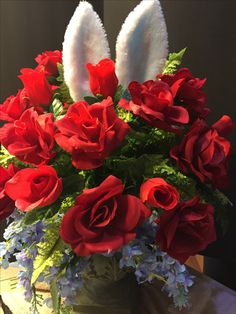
(63, 93)
(173, 61)
(50, 252)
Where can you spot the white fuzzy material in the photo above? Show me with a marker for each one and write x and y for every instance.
(142, 44)
(85, 42)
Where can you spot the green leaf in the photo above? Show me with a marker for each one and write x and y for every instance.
(73, 183)
(94, 99)
(50, 253)
(173, 61)
(60, 68)
(91, 100)
(220, 202)
(41, 213)
(145, 140)
(119, 94)
(56, 299)
(125, 115)
(34, 215)
(100, 97)
(63, 90)
(5, 157)
(56, 107)
(185, 185)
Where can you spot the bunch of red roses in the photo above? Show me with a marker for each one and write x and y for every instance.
(105, 216)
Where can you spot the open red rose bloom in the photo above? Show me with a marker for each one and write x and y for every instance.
(103, 219)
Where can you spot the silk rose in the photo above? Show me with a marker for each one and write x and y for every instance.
(34, 187)
(102, 78)
(158, 193)
(189, 92)
(90, 132)
(47, 62)
(153, 101)
(205, 152)
(103, 219)
(30, 138)
(187, 229)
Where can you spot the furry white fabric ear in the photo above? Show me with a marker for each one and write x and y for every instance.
(142, 44)
(85, 42)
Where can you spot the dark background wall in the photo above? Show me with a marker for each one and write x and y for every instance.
(206, 27)
(28, 27)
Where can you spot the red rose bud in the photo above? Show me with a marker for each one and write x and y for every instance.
(31, 138)
(47, 62)
(7, 205)
(102, 78)
(186, 230)
(40, 92)
(158, 193)
(90, 133)
(31, 188)
(153, 101)
(103, 219)
(189, 92)
(205, 152)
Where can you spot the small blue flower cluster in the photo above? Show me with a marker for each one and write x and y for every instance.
(21, 243)
(71, 281)
(151, 263)
(178, 279)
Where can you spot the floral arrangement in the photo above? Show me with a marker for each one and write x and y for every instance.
(111, 159)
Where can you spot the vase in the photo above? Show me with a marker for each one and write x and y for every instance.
(107, 289)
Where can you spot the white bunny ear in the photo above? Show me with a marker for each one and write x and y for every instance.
(85, 42)
(142, 44)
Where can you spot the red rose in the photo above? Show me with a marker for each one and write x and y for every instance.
(34, 187)
(31, 138)
(12, 108)
(103, 219)
(90, 133)
(187, 229)
(205, 152)
(40, 92)
(158, 193)
(189, 92)
(7, 205)
(102, 78)
(47, 62)
(153, 101)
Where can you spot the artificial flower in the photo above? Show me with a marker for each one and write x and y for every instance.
(38, 89)
(189, 92)
(186, 230)
(103, 219)
(90, 133)
(102, 78)
(156, 192)
(205, 152)
(30, 138)
(34, 187)
(47, 62)
(153, 101)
